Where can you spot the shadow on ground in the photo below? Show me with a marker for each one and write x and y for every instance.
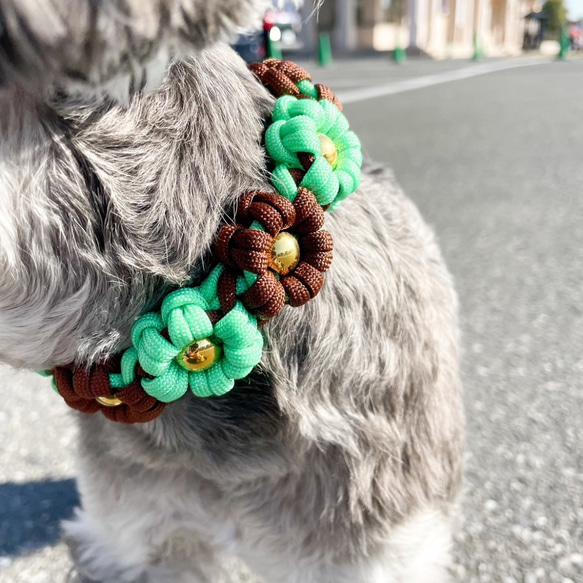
(30, 514)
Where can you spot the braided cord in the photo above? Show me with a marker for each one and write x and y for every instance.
(206, 337)
(186, 318)
(300, 118)
(302, 113)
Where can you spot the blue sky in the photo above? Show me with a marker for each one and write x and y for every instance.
(575, 8)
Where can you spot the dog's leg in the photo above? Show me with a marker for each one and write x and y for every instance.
(416, 551)
(127, 557)
(140, 525)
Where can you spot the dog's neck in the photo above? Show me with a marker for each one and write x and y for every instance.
(206, 337)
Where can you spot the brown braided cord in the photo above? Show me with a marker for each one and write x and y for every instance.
(245, 249)
(297, 175)
(304, 284)
(317, 242)
(80, 387)
(306, 160)
(273, 211)
(326, 93)
(320, 256)
(282, 77)
(266, 297)
(241, 250)
(308, 218)
(216, 315)
(227, 290)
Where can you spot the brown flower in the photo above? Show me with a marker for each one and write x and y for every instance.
(289, 256)
(89, 391)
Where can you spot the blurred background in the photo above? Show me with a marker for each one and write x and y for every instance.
(438, 29)
(477, 106)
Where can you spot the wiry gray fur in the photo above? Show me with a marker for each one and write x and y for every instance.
(339, 460)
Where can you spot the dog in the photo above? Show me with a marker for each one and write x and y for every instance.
(128, 132)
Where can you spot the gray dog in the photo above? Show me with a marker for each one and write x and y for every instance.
(127, 134)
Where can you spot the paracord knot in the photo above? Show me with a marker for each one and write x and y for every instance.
(81, 388)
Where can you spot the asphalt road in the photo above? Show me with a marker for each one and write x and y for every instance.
(495, 163)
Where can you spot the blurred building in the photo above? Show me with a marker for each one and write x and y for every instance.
(439, 28)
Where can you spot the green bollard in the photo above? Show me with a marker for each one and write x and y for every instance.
(324, 50)
(273, 49)
(564, 43)
(399, 54)
(478, 55)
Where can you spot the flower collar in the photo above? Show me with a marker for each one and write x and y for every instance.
(205, 338)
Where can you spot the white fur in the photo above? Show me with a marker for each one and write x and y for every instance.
(417, 551)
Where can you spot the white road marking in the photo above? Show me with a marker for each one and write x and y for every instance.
(363, 94)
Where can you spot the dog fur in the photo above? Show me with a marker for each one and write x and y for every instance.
(339, 460)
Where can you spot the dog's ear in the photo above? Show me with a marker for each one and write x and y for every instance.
(113, 47)
(102, 207)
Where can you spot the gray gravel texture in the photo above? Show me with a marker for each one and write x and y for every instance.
(495, 163)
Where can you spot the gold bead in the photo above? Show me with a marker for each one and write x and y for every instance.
(285, 253)
(109, 401)
(199, 355)
(329, 150)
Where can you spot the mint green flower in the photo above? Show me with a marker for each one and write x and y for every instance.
(319, 129)
(180, 347)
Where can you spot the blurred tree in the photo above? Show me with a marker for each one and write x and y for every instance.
(556, 14)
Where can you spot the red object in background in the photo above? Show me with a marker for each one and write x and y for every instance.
(282, 18)
(269, 20)
(252, 46)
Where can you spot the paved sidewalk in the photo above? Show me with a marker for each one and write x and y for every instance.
(36, 485)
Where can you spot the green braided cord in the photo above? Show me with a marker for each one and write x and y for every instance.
(307, 88)
(295, 129)
(208, 288)
(128, 370)
(284, 182)
(288, 107)
(116, 381)
(244, 283)
(242, 346)
(184, 318)
(322, 181)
